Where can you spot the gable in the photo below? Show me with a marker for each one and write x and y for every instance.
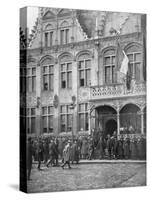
(64, 12)
(48, 15)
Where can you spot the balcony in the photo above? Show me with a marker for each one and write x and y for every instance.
(117, 90)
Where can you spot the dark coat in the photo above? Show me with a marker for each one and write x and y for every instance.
(133, 149)
(66, 154)
(74, 153)
(84, 148)
(127, 148)
(120, 148)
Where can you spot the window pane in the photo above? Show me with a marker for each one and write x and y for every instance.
(63, 67)
(32, 111)
(81, 121)
(30, 84)
(67, 36)
(130, 56)
(137, 71)
(44, 124)
(86, 122)
(33, 83)
(81, 75)
(50, 124)
(113, 59)
(50, 110)
(81, 107)
(28, 125)
(51, 69)
(51, 38)
(137, 57)
(107, 60)
(81, 64)
(51, 81)
(33, 125)
(69, 122)
(69, 66)
(45, 82)
(113, 74)
(87, 63)
(46, 39)
(45, 70)
(87, 75)
(62, 36)
(107, 75)
(69, 79)
(63, 80)
(63, 123)
(130, 69)
(86, 106)
(63, 109)
(33, 71)
(44, 110)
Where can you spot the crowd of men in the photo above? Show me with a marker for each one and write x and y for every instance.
(55, 150)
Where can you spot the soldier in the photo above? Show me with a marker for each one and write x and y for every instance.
(127, 148)
(120, 148)
(66, 156)
(133, 148)
(108, 146)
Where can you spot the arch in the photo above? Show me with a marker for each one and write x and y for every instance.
(132, 46)
(47, 60)
(129, 103)
(48, 27)
(130, 106)
(104, 50)
(84, 54)
(107, 105)
(65, 56)
(64, 24)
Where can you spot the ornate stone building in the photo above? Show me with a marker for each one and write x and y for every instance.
(72, 73)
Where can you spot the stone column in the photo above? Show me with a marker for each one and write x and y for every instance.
(142, 122)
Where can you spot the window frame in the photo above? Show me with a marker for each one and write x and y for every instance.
(84, 70)
(48, 74)
(66, 114)
(29, 117)
(47, 115)
(66, 72)
(65, 38)
(85, 113)
(30, 87)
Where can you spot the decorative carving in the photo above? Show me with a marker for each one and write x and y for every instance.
(55, 101)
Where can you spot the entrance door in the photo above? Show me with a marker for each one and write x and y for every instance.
(110, 127)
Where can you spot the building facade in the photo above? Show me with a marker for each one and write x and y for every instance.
(72, 77)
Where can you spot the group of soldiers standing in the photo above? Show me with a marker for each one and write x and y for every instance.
(53, 150)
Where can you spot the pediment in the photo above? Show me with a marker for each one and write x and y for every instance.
(64, 12)
(49, 15)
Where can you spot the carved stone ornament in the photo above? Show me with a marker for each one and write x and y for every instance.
(55, 101)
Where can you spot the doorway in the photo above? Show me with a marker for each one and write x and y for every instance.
(110, 127)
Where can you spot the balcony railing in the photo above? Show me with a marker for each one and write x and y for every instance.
(117, 90)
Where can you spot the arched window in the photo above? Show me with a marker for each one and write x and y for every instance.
(64, 33)
(66, 71)
(135, 62)
(48, 35)
(84, 68)
(48, 74)
(109, 66)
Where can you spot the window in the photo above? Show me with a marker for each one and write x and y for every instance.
(66, 75)
(83, 117)
(48, 77)
(31, 120)
(64, 36)
(48, 39)
(31, 79)
(109, 66)
(84, 67)
(47, 119)
(22, 79)
(134, 64)
(65, 118)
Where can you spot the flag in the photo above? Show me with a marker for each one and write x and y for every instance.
(124, 65)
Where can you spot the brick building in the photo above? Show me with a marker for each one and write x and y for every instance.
(72, 78)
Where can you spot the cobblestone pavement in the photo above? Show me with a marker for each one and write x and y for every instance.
(87, 176)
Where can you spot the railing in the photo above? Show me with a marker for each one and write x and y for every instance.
(117, 90)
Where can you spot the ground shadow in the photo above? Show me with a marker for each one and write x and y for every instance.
(14, 186)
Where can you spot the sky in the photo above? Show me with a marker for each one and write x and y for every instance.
(32, 14)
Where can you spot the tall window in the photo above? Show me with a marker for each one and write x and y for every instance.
(109, 66)
(47, 119)
(135, 59)
(84, 67)
(22, 79)
(64, 36)
(48, 39)
(83, 116)
(31, 79)
(31, 117)
(65, 118)
(66, 75)
(48, 77)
